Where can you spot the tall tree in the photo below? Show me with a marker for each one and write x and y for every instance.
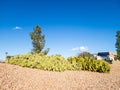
(38, 40)
(118, 44)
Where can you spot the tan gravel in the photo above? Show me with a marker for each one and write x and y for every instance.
(14, 77)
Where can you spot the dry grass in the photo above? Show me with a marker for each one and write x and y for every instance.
(18, 78)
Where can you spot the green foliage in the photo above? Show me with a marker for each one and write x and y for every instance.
(90, 64)
(8, 57)
(38, 41)
(86, 55)
(45, 52)
(58, 63)
(50, 63)
(117, 45)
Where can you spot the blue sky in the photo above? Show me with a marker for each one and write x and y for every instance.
(69, 26)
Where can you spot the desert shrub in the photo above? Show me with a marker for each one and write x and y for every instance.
(75, 62)
(102, 66)
(90, 64)
(50, 63)
(58, 63)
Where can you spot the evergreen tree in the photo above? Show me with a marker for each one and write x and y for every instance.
(38, 40)
(45, 52)
(118, 44)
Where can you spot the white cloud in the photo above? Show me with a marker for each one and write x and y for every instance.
(76, 49)
(81, 48)
(17, 28)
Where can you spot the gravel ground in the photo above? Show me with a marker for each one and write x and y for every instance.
(14, 77)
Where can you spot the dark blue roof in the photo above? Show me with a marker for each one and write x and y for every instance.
(103, 53)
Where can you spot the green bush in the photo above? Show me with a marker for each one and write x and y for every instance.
(90, 64)
(58, 63)
(50, 63)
